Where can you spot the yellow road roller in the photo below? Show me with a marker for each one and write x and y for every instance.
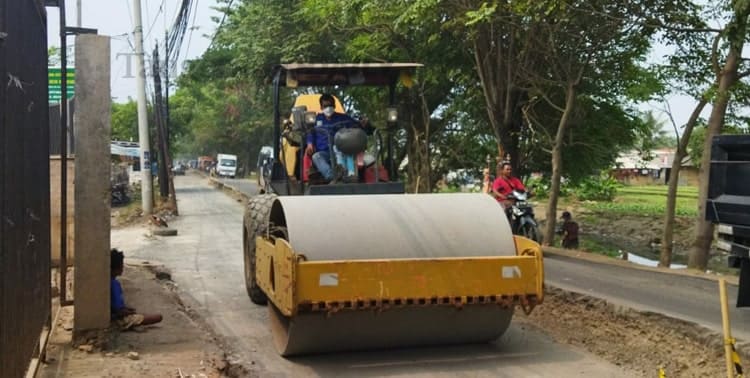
(362, 265)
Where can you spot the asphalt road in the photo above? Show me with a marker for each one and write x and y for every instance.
(688, 298)
(246, 186)
(206, 263)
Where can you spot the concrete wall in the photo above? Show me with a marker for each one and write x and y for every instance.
(54, 183)
(92, 190)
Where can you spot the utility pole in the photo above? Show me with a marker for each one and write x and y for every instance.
(166, 82)
(63, 156)
(143, 138)
(159, 120)
(78, 9)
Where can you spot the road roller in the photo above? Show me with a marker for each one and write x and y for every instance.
(361, 265)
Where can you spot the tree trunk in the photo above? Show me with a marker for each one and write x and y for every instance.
(418, 147)
(665, 257)
(698, 258)
(557, 165)
(496, 75)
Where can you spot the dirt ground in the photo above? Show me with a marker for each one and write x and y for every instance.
(180, 346)
(641, 342)
(184, 346)
(638, 234)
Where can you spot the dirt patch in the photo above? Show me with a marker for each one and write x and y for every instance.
(641, 342)
(178, 346)
(634, 233)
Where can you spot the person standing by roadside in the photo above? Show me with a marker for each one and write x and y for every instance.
(569, 231)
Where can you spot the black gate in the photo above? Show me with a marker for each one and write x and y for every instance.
(24, 183)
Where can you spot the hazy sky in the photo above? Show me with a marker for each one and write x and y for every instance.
(114, 18)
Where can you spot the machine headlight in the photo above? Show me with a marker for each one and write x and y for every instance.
(310, 118)
(392, 115)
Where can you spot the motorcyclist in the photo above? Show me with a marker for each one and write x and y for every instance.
(505, 183)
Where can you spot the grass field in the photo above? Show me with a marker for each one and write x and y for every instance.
(648, 200)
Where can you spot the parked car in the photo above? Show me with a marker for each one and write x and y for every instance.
(178, 169)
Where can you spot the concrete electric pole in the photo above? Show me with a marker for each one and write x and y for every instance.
(78, 9)
(143, 138)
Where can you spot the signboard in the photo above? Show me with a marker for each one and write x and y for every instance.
(55, 83)
(131, 150)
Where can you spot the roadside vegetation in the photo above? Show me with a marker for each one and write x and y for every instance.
(647, 200)
(132, 212)
(553, 86)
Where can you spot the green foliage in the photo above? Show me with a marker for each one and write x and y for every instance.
(53, 56)
(651, 136)
(125, 121)
(591, 244)
(647, 201)
(602, 188)
(635, 208)
(451, 116)
(540, 187)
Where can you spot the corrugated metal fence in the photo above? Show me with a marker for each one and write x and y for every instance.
(24, 183)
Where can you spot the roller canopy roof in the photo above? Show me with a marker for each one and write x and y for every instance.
(326, 74)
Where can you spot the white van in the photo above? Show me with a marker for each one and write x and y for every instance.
(226, 165)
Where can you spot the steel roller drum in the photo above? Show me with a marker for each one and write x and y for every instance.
(392, 227)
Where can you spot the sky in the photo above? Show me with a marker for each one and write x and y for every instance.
(114, 18)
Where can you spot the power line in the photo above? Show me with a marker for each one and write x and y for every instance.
(130, 13)
(226, 11)
(153, 23)
(192, 27)
(177, 33)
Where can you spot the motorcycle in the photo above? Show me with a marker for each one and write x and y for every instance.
(119, 194)
(522, 220)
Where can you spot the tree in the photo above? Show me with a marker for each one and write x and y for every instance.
(727, 75)
(498, 38)
(665, 256)
(125, 121)
(653, 137)
(580, 54)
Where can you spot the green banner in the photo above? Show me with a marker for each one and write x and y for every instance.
(54, 78)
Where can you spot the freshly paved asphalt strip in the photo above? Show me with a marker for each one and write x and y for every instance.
(680, 296)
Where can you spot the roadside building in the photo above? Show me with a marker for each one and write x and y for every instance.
(632, 169)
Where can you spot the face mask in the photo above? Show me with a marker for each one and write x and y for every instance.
(328, 111)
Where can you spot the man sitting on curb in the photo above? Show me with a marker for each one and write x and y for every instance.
(125, 316)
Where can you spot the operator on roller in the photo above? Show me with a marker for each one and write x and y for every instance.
(327, 124)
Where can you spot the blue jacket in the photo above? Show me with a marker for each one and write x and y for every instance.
(117, 301)
(325, 127)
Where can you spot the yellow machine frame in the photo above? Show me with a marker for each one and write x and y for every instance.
(295, 285)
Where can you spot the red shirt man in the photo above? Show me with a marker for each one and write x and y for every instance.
(505, 183)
